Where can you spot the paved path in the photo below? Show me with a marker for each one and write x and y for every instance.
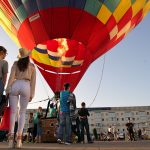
(113, 145)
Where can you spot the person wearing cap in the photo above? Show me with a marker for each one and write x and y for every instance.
(21, 89)
(3, 69)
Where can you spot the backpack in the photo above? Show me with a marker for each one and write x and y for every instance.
(72, 102)
(72, 105)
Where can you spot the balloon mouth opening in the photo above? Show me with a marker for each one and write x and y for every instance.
(60, 45)
(60, 52)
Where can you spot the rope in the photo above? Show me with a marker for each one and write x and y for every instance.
(40, 101)
(99, 82)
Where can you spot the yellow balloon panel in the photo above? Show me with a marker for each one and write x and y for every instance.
(121, 9)
(136, 7)
(146, 9)
(104, 14)
(10, 33)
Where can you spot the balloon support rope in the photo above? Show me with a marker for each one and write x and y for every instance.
(99, 85)
(40, 101)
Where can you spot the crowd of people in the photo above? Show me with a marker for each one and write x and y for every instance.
(20, 90)
(71, 121)
(129, 134)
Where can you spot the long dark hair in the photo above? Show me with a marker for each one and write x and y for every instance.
(23, 63)
(2, 49)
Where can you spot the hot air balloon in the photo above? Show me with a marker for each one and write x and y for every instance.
(66, 36)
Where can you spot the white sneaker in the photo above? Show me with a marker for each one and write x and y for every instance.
(59, 141)
(67, 143)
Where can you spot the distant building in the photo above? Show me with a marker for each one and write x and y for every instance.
(103, 117)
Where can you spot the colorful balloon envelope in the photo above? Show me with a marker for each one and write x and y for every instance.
(66, 36)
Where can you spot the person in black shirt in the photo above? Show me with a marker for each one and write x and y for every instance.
(83, 115)
(129, 126)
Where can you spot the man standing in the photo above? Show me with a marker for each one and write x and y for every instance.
(3, 70)
(129, 126)
(83, 114)
(64, 116)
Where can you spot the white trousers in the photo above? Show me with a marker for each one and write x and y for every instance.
(20, 93)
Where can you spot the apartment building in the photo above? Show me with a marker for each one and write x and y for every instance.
(103, 117)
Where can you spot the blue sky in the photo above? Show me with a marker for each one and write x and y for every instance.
(126, 75)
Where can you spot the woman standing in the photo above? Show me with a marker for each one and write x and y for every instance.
(20, 88)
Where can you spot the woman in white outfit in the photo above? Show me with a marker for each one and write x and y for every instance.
(20, 88)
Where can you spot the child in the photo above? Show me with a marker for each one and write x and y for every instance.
(30, 126)
(39, 129)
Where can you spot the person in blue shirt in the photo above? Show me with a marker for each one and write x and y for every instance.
(64, 116)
